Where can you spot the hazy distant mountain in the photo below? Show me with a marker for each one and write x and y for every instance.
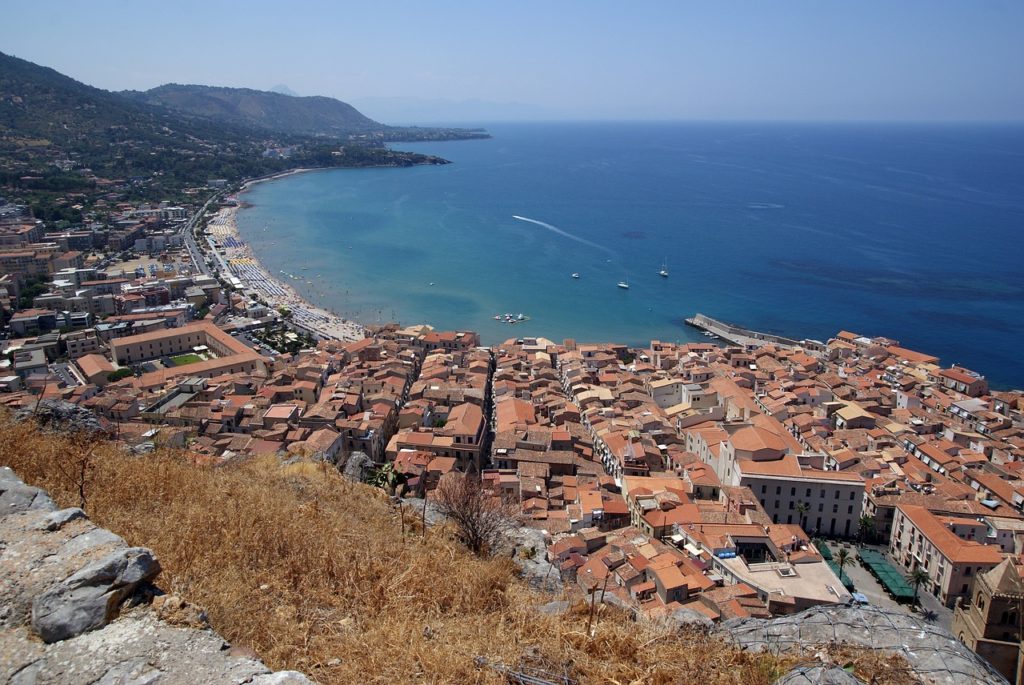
(262, 109)
(284, 90)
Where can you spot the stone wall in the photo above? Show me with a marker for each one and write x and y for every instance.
(77, 606)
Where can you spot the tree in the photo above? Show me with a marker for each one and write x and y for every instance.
(866, 528)
(481, 519)
(917, 578)
(842, 560)
(117, 375)
(801, 509)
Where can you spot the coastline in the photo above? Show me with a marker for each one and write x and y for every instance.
(273, 177)
(243, 265)
(916, 305)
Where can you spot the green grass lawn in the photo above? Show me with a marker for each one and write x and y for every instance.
(183, 359)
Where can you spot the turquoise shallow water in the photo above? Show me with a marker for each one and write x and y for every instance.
(914, 232)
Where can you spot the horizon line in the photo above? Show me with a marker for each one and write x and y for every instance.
(726, 120)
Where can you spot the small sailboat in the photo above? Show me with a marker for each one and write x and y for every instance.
(664, 269)
(575, 274)
(624, 284)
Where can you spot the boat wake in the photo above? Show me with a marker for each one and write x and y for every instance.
(565, 234)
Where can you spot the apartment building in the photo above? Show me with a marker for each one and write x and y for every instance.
(826, 503)
(923, 540)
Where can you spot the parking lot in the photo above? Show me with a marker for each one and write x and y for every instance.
(152, 267)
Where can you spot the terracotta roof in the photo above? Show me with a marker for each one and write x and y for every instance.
(670, 577)
(754, 439)
(465, 419)
(94, 364)
(946, 542)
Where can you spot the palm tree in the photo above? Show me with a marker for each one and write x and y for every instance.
(842, 559)
(865, 528)
(917, 578)
(801, 509)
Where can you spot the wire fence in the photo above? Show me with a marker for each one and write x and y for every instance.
(933, 654)
(816, 674)
(524, 674)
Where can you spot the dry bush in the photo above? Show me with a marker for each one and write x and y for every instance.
(482, 521)
(306, 569)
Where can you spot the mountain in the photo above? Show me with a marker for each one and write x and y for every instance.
(288, 113)
(39, 103)
(50, 122)
(261, 109)
(283, 90)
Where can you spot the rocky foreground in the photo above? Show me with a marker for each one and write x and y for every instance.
(77, 605)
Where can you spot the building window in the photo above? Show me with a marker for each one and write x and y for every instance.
(792, 492)
(764, 489)
(808, 493)
(778, 491)
(835, 508)
(852, 495)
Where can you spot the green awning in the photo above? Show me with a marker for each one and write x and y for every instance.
(891, 577)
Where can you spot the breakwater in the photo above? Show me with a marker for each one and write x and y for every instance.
(746, 337)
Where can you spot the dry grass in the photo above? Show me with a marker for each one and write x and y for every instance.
(306, 568)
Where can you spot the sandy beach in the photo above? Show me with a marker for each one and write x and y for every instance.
(276, 291)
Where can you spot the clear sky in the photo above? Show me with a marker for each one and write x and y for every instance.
(588, 59)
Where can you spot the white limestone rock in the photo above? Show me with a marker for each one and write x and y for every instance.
(90, 598)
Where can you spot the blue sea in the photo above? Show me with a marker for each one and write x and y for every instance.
(915, 232)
